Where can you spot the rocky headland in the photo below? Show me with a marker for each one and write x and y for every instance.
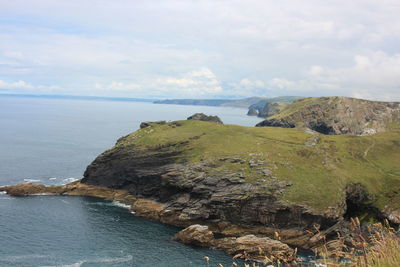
(246, 189)
(336, 115)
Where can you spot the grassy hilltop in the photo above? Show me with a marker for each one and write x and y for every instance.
(317, 168)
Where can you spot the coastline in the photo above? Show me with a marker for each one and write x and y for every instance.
(237, 240)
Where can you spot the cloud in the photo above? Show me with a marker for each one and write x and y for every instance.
(198, 82)
(22, 86)
(261, 47)
(373, 76)
(192, 84)
(16, 85)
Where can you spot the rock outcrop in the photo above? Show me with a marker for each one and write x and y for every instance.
(337, 115)
(252, 112)
(271, 109)
(196, 235)
(248, 246)
(204, 117)
(241, 180)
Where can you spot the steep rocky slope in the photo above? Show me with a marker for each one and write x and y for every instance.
(337, 115)
(270, 106)
(244, 180)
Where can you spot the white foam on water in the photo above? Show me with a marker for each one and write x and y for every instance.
(113, 260)
(77, 264)
(100, 260)
(53, 178)
(113, 204)
(69, 180)
(133, 212)
(43, 194)
(3, 192)
(32, 180)
(121, 205)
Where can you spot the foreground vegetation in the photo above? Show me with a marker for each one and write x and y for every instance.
(378, 246)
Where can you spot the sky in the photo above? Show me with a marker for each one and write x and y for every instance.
(201, 49)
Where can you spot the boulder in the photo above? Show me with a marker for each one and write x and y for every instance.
(197, 235)
(254, 247)
(248, 246)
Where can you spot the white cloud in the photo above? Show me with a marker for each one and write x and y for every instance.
(192, 84)
(16, 85)
(201, 82)
(251, 84)
(22, 86)
(373, 76)
(257, 47)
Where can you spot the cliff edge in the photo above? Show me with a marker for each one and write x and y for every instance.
(337, 115)
(255, 180)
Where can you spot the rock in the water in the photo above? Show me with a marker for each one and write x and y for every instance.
(204, 117)
(197, 235)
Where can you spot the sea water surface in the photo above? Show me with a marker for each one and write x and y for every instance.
(51, 141)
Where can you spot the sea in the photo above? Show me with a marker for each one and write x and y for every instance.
(51, 141)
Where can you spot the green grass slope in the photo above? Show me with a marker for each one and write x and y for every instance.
(317, 167)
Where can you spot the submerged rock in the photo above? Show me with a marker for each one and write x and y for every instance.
(204, 117)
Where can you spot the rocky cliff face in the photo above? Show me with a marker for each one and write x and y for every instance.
(195, 191)
(271, 109)
(337, 115)
(242, 180)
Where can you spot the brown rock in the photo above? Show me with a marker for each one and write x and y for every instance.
(197, 235)
(254, 247)
(32, 189)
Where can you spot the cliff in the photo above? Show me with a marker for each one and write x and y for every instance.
(245, 180)
(337, 115)
(270, 106)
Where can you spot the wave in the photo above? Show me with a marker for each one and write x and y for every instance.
(113, 203)
(32, 180)
(121, 205)
(53, 178)
(3, 192)
(69, 180)
(77, 264)
(100, 260)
